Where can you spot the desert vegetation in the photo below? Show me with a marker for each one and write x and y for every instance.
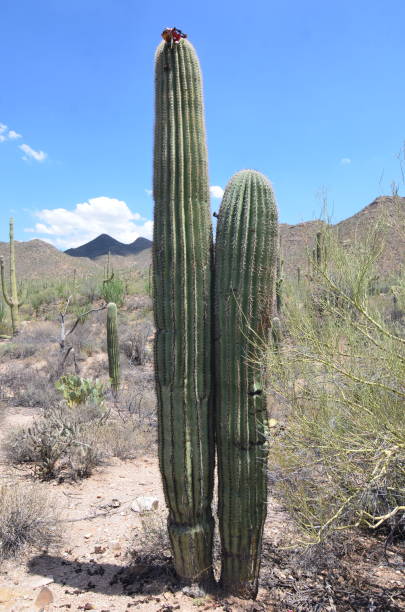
(278, 415)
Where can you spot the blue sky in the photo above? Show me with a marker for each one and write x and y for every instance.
(312, 93)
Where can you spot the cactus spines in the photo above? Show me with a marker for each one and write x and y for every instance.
(245, 270)
(182, 254)
(11, 298)
(113, 347)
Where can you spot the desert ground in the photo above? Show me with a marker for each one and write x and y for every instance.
(105, 555)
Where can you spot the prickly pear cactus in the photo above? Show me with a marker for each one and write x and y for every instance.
(245, 269)
(182, 253)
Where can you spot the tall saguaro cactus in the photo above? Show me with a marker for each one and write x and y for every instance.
(245, 269)
(11, 298)
(182, 258)
(112, 346)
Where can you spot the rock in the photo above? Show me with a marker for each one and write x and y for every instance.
(88, 606)
(145, 504)
(99, 550)
(193, 591)
(34, 582)
(45, 597)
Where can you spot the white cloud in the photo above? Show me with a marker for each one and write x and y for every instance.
(103, 215)
(13, 135)
(345, 161)
(3, 127)
(149, 192)
(216, 191)
(2, 138)
(39, 156)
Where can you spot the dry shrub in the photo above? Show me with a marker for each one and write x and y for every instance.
(28, 517)
(151, 544)
(338, 460)
(26, 386)
(63, 443)
(138, 302)
(69, 442)
(135, 344)
(119, 440)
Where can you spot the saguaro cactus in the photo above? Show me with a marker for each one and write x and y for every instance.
(112, 346)
(182, 254)
(279, 284)
(245, 269)
(11, 298)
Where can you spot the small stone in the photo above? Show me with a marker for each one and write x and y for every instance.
(145, 504)
(193, 591)
(115, 503)
(99, 550)
(45, 597)
(87, 536)
(88, 606)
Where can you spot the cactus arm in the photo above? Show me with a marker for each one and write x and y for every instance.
(245, 270)
(182, 254)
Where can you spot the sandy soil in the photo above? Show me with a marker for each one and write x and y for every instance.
(93, 570)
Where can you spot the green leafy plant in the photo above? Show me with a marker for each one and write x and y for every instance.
(113, 290)
(77, 390)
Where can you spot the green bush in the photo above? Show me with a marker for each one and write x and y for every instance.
(77, 390)
(113, 291)
(338, 455)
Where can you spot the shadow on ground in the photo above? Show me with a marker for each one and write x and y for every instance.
(149, 576)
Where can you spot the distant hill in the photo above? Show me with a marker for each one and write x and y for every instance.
(105, 243)
(38, 259)
(297, 241)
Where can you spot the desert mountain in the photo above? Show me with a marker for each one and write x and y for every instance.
(297, 241)
(38, 259)
(105, 243)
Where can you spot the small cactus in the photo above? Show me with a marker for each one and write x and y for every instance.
(11, 298)
(279, 284)
(112, 347)
(245, 269)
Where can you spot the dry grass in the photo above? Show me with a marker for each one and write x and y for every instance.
(28, 517)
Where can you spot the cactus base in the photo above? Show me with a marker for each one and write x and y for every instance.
(192, 551)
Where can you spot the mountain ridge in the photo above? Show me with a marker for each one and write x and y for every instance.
(39, 259)
(105, 243)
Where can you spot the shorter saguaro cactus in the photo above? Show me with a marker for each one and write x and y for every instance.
(245, 269)
(112, 346)
(11, 298)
